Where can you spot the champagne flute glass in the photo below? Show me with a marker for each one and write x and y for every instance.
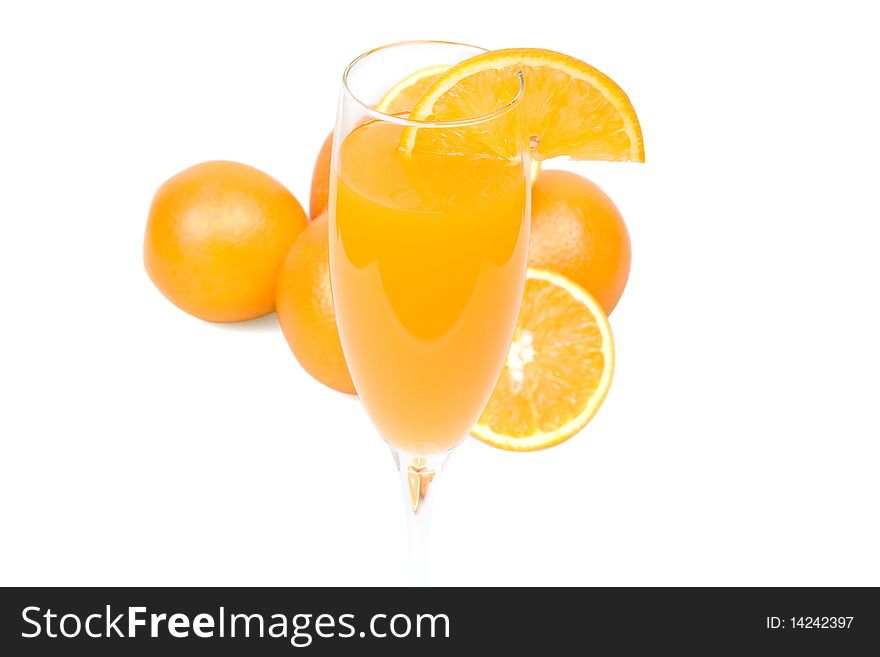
(428, 252)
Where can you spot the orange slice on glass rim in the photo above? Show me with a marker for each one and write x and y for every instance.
(568, 108)
(558, 369)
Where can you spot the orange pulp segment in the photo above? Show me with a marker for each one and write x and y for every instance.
(402, 96)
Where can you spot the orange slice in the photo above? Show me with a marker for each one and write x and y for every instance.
(568, 108)
(402, 96)
(558, 368)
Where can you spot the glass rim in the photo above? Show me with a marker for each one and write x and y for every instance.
(391, 118)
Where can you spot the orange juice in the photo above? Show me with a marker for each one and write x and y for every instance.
(427, 262)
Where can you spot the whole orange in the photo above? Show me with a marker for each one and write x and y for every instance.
(577, 231)
(216, 236)
(320, 193)
(305, 308)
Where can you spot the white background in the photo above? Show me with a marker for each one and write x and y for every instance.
(738, 444)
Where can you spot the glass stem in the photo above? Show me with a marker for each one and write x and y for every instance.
(419, 476)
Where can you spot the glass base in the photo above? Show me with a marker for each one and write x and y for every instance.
(419, 476)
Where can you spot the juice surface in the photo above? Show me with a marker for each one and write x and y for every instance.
(427, 260)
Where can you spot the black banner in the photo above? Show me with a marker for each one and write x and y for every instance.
(540, 621)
